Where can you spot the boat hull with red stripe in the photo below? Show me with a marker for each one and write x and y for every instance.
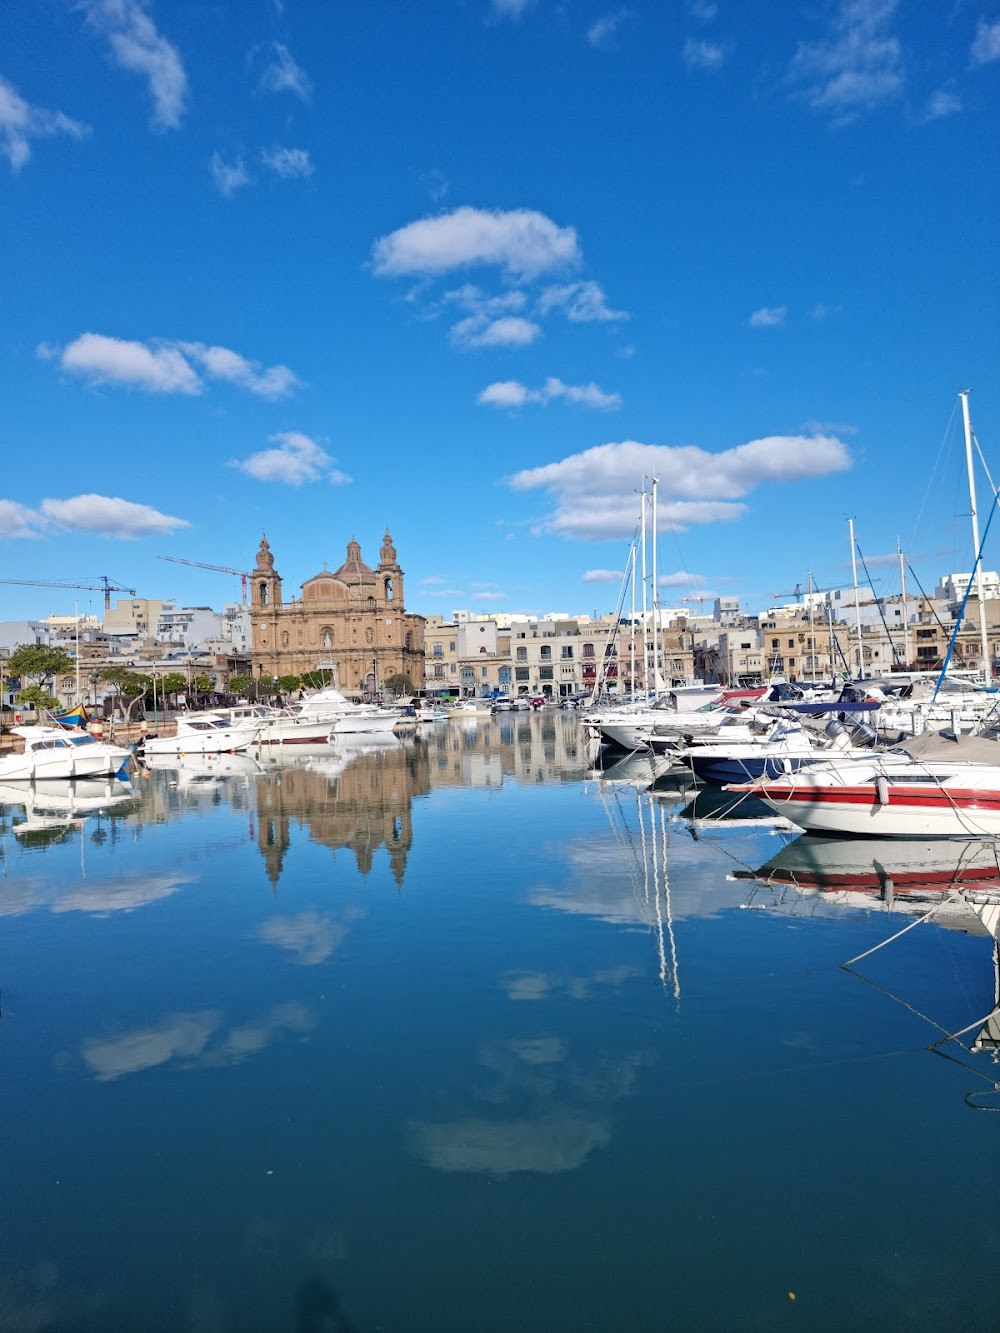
(888, 796)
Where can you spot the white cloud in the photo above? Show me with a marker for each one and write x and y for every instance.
(986, 47)
(582, 302)
(594, 491)
(681, 579)
(509, 331)
(562, 1141)
(283, 74)
(17, 520)
(703, 10)
(474, 299)
(20, 122)
(138, 47)
(221, 363)
(522, 242)
(103, 360)
(311, 936)
(109, 516)
(510, 9)
(288, 163)
(228, 177)
(168, 366)
(768, 317)
(601, 576)
(512, 394)
(857, 67)
(700, 54)
(942, 103)
(294, 461)
(507, 393)
(603, 34)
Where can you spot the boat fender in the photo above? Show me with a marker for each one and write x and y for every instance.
(882, 789)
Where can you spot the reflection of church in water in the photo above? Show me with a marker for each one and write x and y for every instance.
(359, 801)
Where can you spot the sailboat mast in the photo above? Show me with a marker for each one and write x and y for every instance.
(857, 605)
(657, 685)
(906, 622)
(984, 645)
(631, 673)
(645, 624)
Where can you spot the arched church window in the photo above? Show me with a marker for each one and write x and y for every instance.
(263, 594)
(388, 590)
(371, 601)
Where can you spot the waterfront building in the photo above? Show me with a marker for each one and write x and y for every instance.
(351, 620)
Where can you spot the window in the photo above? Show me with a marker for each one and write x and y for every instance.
(545, 652)
(522, 654)
(438, 670)
(545, 673)
(485, 671)
(588, 650)
(520, 673)
(567, 654)
(451, 646)
(438, 650)
(791, 643)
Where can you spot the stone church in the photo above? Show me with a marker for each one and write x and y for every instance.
(352, 621)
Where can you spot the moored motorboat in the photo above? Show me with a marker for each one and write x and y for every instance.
(204, 733)
(344, 716)
(62, 753)
(280, 726)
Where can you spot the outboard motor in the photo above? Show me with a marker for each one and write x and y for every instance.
(863, 736)
(835, 729)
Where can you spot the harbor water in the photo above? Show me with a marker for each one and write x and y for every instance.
(457, 1032)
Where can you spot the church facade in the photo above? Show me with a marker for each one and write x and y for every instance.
(352, 621)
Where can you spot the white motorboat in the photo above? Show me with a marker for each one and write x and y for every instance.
(280, 726)
(344, 716)
(204, 733)
(62, 753)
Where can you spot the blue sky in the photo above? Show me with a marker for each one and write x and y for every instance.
(473, 269)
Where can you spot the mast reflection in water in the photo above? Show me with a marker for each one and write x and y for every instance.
(459, 1032)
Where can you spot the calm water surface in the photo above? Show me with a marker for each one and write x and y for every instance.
(452, 1034)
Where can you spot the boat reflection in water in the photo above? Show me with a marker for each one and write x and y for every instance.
(51, 805)
(954, 883)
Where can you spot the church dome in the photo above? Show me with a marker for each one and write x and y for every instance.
(354, 570)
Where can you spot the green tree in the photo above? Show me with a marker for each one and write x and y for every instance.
(38, 663)
(289, 684)
(202, 685)
(241, 684)
(172, 683)
(36, 696)
(399, 683)
(316, 680)
(130, 688)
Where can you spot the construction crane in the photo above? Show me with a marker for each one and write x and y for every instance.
(795, 592)
(699, 599)
(242, 574)
(106, 585)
